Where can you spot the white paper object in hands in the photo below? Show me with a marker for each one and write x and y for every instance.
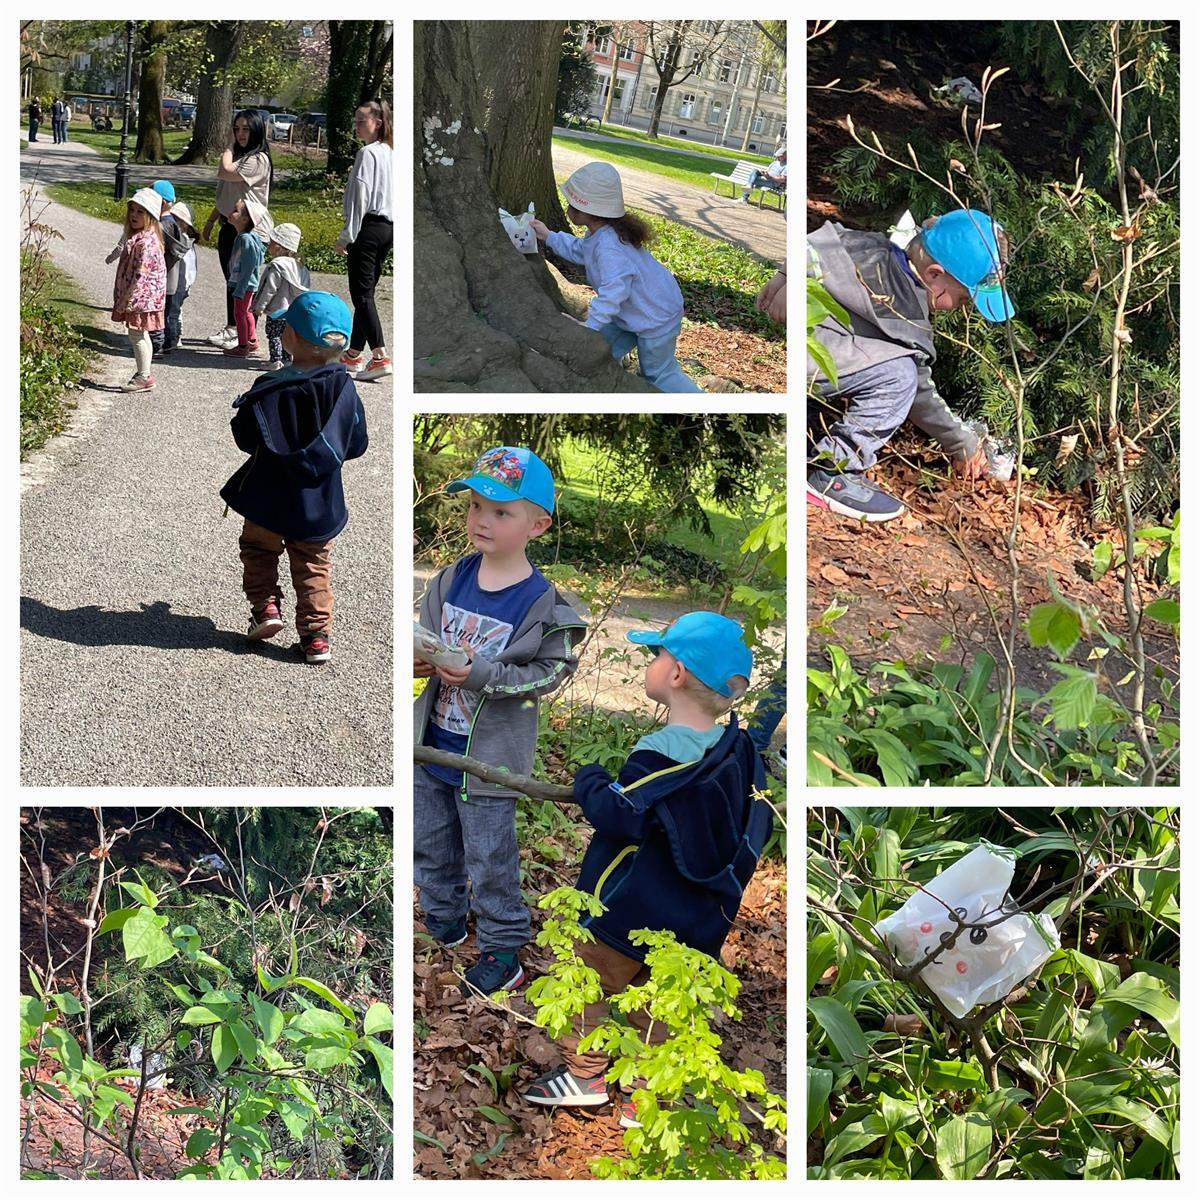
(430, 648)
(519, 230)
(984, 964)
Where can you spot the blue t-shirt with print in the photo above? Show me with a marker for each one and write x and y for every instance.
(487, 621)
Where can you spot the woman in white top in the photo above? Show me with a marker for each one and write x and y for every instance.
(245, 172)
(366, 237)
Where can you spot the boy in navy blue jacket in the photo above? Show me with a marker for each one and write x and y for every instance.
(298, 425)
(677, 837)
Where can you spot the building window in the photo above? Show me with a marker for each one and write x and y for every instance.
(756, 126)
(627, 51)
(603, 45)
(651, 97)
(602, 92)
(725, 71)
(783, 131)
(698, 63)
(714, 112)
(686, 105)
(768, 80)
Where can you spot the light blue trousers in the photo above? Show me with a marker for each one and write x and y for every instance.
(656, 357)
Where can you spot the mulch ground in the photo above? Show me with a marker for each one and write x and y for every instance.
(453, 1033)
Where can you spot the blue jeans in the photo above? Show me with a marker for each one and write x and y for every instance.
(465, 856)
(171, 317)
(878, 400)
(768, 712)
(656, 357)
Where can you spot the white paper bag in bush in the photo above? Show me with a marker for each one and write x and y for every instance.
(984, 964)
(519, 231)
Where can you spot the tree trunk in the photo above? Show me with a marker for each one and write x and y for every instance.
(379, 57)
(666, 72)
(348, 45)
(612, 78)
(754, 107)
(521, 117)
(152, 54)
(486, 318)
(214, 100)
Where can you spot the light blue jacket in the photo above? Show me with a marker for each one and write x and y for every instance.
(634, 291)
(245, 264)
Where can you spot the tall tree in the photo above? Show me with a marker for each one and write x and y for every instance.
(360, 54)
(768, 60)
(214, 97)
(668, 40)
(486, 318)
(151, 53)
(618, 32)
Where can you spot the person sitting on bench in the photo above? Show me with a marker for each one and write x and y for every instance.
(774, 177)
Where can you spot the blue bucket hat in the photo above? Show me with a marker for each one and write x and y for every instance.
(709, 645)
(315, 314)
(510, 473)
(964, 242)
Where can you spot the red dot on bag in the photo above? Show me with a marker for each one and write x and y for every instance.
(926, 926)
(961, 967)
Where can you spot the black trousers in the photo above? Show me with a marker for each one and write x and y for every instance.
(225, 240)
(364, 263)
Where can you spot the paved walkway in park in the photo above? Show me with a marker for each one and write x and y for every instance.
(134, 666)
(763, 233)
(700, 148)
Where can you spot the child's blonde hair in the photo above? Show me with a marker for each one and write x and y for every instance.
(326, 351)
(710, 700)
(154, 223)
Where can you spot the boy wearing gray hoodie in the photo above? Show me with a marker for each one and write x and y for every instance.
(519, 634)
(284, 279)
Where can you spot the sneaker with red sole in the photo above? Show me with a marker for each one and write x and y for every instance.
(315, 647)
(265, 622)
(245, 350)
(628, 1116)
(352, 362)
(377, 368)
(139, 383)
(560, 1089)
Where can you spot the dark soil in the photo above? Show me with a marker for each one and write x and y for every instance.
(898, 64)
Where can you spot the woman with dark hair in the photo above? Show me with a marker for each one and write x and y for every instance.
(366, 237)
(246, 172)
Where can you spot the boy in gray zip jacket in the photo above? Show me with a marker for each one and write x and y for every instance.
(519, 634)
(883, 359)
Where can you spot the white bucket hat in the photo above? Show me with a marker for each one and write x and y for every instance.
(181, 212)
(596, 189)
(260, 218)
(150, 200)
(287, 235)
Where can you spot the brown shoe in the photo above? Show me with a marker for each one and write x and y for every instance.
(245, 351)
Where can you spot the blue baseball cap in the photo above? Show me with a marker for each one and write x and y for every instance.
(964, 242)
(313, 315)
(709, 645)
(510, 473)
(166, 189)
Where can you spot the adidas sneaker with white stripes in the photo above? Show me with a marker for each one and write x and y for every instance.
(560, 1088)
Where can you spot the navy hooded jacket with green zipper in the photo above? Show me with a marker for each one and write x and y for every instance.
(675, 843)
(298, 430)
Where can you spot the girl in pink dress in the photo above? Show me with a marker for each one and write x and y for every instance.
(140, 289)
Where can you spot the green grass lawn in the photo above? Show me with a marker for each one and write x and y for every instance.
(638, 135)
(687, 168)
(306, 202)
(108, 146)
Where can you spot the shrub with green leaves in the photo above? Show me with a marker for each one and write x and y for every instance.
(1085, 1056)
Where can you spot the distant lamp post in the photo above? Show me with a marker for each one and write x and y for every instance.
(122, 184)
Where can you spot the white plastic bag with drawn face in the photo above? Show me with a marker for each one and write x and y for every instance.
(984, 964)
(519, 231)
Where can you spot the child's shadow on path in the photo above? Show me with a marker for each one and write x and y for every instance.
(154, 626)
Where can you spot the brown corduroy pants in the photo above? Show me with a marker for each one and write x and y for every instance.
(311, 567)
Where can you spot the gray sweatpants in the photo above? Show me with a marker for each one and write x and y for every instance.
(465, 856)
(878, 400)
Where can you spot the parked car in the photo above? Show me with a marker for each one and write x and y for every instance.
(282, 124)
(308, 126)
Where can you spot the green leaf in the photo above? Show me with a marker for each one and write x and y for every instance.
(199, 1015)
(224, 1048)
(321, 990)
(428, 1140)
(383, 1057)
(895, 762)
(1148, 995)
(1073, 700)
(843, 1031)
(246, 1042)
(820, 1084)
(199, 1143)
(952, 1075)
(320, 1058)
(378, 1019)
(963, 1146)
(494, 1114)
(855, 1136)
(1102, 556)
(66, 1003)
(270, 1019)
(1166, 611)
(33, 1014)
(139, 891)
(144, 939)
(1055, 624)
(115, 919)
(319, 1020)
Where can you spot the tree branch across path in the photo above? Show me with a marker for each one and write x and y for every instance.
(535, 789)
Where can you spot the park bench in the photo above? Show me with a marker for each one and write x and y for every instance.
(740, 178)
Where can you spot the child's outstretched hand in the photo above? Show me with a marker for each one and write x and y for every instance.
(540, 231)
(457, 676)
(421, 669)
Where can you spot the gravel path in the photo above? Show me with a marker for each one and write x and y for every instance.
(134, 667)
(761, 232)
